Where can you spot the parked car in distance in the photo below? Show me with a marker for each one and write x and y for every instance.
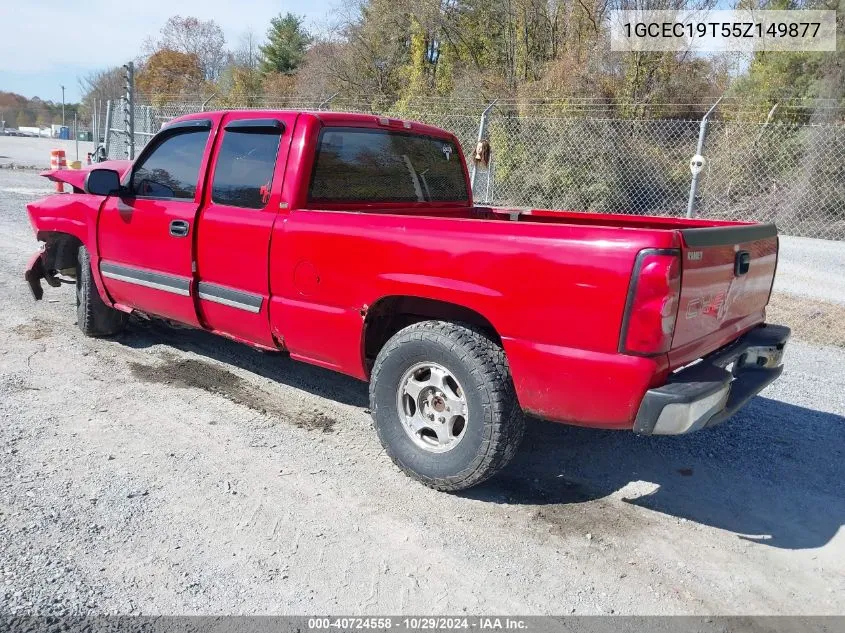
(352, 242)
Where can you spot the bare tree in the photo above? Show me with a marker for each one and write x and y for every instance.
(248, 53)
(100, 85)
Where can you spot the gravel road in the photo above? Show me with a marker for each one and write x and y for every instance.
(35, 152)
(172, 472)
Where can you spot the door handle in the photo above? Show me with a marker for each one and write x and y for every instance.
(179, 228)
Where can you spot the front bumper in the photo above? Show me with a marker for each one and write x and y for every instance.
(712, 390)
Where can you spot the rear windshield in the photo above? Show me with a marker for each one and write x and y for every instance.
(363, 165)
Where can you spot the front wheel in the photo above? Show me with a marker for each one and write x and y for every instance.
(444, 404)
(93, 316)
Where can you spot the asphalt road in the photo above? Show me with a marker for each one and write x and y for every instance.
(169, 471)
(811, 268)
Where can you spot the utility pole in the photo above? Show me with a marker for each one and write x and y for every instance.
(129, 109)
(63, 105)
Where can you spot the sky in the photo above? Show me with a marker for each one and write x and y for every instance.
(51, 43)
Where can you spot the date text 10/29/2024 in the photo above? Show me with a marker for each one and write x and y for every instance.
(423, 623)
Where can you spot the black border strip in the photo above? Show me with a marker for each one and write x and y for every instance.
(728, 235)
(413, 623)
(147, 278)
(229, 297)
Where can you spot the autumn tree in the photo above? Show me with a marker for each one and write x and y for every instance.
(287, 41)
(192, 36)
(16, 110)
(167, 73)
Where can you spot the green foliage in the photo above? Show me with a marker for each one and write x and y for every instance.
(242, 88)
(786, 78)
(287, 41)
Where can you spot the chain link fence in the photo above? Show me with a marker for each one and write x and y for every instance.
(788, 173)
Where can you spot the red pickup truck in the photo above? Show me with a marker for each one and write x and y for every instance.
(352, 242)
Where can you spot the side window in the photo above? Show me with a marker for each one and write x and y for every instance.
(172, 169)
(243, 176)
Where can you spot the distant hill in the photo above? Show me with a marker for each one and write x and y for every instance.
(17, 111)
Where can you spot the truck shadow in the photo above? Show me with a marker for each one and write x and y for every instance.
(276, 366)
(773, 474)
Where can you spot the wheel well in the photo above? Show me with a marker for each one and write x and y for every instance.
(390, 314)
(60, 250)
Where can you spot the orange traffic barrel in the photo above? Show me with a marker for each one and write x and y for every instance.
(57, 161)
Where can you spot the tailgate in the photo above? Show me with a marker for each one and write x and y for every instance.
(726, 278)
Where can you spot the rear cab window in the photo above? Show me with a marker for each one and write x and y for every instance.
(371, 165)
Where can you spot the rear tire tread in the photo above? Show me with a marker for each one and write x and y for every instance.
(503, 419)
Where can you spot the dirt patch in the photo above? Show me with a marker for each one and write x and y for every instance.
(314, 420)
(193, 373)
(34, 330)
(812, 320)
(599, 520)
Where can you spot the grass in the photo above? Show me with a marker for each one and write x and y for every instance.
(811, 320)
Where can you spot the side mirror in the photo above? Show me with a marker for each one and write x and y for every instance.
(102, 182)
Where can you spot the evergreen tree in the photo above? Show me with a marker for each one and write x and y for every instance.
(287, 40)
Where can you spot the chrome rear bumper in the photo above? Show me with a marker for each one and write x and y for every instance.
(716, 387)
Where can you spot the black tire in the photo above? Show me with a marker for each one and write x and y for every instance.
(93, 316)
(494, 423)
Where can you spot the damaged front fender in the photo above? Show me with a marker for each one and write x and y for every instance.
(57, 256)
(34, 274)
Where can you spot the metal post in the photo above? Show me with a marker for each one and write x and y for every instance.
(702, 134)
(76, 135)
(129, 110)
(487, 189)
(482, 128)
(63, 106)
(206, 102)
(107, 130)
(327, 101)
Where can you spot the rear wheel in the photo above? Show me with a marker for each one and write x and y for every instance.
(93, 316)
(444, 404)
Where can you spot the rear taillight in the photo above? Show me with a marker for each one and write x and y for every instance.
(652, 306)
